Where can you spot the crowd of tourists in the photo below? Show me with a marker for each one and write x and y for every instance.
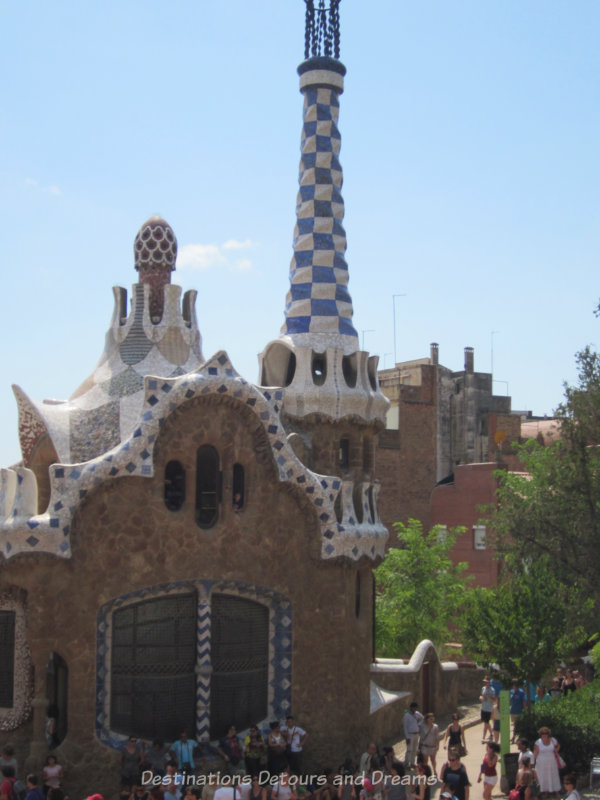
(541, 771)
(267, 765)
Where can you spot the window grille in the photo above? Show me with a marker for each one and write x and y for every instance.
(153, 667)
(7, 658)
(239, 654)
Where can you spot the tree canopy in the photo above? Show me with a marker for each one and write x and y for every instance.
(552, 509)
(418, 589)
(525, 625)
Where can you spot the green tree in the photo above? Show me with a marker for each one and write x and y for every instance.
(418, 589)
(552, 508)
(524, 625)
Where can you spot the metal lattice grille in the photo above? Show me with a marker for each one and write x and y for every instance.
(239, 654)
(7, 658)
(153, 667)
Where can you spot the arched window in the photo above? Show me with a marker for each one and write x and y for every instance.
(371, 499)
(208, 486)
(238, 487)
(319, 368)
(174, 485)
(159, 647)
(357, 497)
(57, 678)
(153, 679)
(16, 670)
(372, 372)
(344, 454)
(349, 370)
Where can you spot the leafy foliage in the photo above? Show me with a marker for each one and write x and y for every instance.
(573, 721)
(553, 508)
(524, 625)
(418, 589)
(595, 656)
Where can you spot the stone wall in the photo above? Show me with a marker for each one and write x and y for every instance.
(440, 687)
(124, 540)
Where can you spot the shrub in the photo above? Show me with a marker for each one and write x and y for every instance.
(573, 721)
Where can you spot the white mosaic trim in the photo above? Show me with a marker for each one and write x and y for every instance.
(333, 398)
(112, 396)
(12, 718)
(22, 531)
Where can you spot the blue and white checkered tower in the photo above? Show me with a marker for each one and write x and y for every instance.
(318, 305)
(317, 357)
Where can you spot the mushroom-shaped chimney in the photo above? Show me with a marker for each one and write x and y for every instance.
(155, 252)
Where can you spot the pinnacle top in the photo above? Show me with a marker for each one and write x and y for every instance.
(322, 29)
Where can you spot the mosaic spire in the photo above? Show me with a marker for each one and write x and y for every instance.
(318, 305)
(317, 359)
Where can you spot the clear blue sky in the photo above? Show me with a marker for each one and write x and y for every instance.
(470, 134)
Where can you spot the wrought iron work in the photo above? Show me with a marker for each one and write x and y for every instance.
(7, 657)
(322, 31)
(240, 661)
(153, 667)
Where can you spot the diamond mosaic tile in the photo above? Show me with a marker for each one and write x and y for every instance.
(134, 455)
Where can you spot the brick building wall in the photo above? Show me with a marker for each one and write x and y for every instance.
(458, 504)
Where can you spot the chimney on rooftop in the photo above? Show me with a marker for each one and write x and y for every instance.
(469, 359)
(434, 353)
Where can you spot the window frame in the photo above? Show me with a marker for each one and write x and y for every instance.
(279, 643)
(11, 717)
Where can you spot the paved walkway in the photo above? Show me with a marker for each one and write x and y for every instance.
(471, 722)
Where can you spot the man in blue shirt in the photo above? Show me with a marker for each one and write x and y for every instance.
(33, 790)
(517, 703)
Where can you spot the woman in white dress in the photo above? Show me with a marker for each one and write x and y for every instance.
(545, 752)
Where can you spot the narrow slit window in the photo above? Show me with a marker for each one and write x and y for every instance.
(174, 485)
(207, 486)
(344, 455)
(238, 499)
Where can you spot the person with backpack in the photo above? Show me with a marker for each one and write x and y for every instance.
(7, 791)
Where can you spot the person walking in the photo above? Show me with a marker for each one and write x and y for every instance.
(430, 740)
(454, 778)
(412, 724)
(486, 698)
(454, 737)
(489, 772)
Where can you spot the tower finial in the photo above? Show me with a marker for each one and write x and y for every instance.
(322, 30)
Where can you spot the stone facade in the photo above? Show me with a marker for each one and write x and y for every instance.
(126, 543)
(185, 549)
